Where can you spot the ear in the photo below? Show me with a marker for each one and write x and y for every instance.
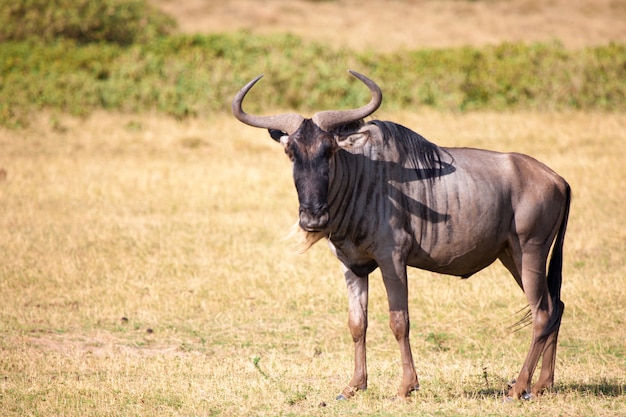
(359, 138)
(279, 136)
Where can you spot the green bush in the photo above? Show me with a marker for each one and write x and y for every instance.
(507, 76)
(195, 75)
(119, 21)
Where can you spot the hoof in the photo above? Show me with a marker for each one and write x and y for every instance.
(408, 392)
(526, 396)
(348, 393)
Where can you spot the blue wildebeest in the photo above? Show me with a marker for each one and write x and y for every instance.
(385, 197)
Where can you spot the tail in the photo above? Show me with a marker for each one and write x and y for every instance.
(555, 276)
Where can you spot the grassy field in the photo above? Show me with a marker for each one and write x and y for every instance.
(144, 272)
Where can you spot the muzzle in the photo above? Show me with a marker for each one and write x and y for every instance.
(314, 219)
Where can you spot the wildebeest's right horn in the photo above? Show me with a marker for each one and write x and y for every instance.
(287, 122)
(332, 118)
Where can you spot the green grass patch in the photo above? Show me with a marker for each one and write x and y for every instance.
(196, 75)
(78, 56)
(117, 21)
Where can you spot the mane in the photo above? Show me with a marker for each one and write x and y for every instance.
(423, 155)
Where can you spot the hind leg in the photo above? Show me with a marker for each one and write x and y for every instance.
(548, 361)
(529, 271)
(506, 257)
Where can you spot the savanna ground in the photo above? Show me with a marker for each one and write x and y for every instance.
(144, 272)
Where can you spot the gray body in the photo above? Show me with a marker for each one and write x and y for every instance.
(456, 223)
(385, 197)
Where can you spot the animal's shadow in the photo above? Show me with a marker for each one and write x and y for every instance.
(609, 388)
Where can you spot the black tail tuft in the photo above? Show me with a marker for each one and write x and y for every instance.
(555, 275)
(523, 322)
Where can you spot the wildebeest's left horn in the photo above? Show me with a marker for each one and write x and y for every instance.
(332, 118)
(287, 122)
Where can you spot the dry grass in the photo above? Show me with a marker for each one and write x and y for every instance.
(386, 25)
(143, 273)
(143, 270)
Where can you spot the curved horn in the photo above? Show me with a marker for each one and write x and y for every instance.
(332, 118)
(288, 122)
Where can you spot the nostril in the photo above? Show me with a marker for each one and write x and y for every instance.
(322, 209)
(314, 210)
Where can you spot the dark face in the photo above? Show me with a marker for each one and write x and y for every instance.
(310, 150)
(311, 144)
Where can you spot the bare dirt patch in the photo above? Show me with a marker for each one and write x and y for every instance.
(100, 343)
(391, 25)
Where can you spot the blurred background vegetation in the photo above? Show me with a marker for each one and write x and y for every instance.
(125, 55)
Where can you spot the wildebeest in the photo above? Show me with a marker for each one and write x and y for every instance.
(385, 197)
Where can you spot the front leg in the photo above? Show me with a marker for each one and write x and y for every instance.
(357, 321)
(395, 281)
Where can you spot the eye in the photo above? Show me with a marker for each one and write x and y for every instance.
(328, 150)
